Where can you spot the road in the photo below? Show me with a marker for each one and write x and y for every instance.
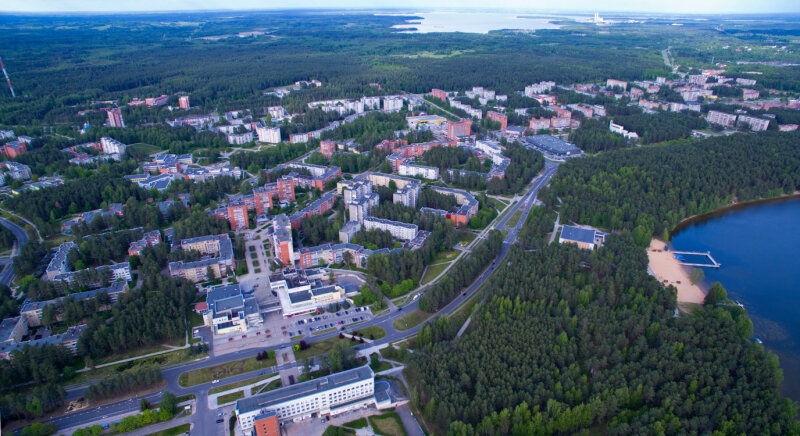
(204, 420)
(22, 238)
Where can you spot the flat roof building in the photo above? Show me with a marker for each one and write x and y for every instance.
(585, 238)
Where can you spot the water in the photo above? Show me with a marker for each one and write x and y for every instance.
(475, 22)
(759, 249)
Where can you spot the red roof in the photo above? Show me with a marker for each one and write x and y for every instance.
(201, 307)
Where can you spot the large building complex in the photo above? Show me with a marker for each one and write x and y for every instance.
(330, 395)
(456, 129)
(216, 262)
(115, 118)
(230, 311)
(298, 292)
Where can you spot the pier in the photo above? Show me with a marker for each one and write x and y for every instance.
(695, 258)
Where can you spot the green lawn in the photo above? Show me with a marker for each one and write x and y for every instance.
(225, 370)
(514, 219)
(195, 319)
(320, 332)
(239, 384)
(371, 332)
(444, 256)
(433, 271)
(381, 366)
(229, 398)
(145, 148)
(274, 384)
(333, 430)
(358, 423)
(174, 431)
(320, 347)
(388, 424)
(466, 237)
(411, 320)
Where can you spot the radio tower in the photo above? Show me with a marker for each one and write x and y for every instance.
(7, 79)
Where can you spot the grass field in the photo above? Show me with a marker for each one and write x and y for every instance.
(320, 332)
(411, 320)
(466, 237)
(145, 148)
(320, 347)
(514, 219)
(174, 431)
(264, 387)
(239, 384)
(371, 332)
(444, 256)
(382, 366)
(225, 370)
(358, 423)
(433, 271)
(333, 430)
(388, 424)
(229, 398)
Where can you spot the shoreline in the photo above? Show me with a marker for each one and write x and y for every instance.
(730, 207)
(669, 271)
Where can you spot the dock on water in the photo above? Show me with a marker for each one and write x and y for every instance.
(696, 258)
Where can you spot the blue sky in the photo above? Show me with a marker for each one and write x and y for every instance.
(672, 6)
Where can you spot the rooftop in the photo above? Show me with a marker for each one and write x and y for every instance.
(578, 234)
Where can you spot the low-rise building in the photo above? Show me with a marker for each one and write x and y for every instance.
(149, 239)
(298, 293)
(32, 310)
(582, 237)
(217, 260)
(230, 311)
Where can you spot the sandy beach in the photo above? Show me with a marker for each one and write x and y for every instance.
(670, 272)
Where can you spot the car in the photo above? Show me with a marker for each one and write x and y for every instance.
(399, 309)
(220, 421)
(215, 381)
(261, 373)
(220, 413)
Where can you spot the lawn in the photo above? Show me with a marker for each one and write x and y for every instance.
(358, 423)
(274, 384)
(333, 430)
(381, 366)
(444, 256)
(433, 271)
(411, 320)
(498, 204)
(174, 431)
(225, 370)
(466, 237)
(145, 148)
(514, 219)
(229, 398)
(321, 347)
(239, 384)
(388, 424)
(195, 319)
(165, 359)
(371, 332)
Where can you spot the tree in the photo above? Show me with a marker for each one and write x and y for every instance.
(144, 405)
(716, 294)
(697, 275)
(169, 403)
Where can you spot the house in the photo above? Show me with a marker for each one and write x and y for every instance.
(584, 238)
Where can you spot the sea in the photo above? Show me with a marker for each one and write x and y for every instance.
(478, 22)
(758, 246)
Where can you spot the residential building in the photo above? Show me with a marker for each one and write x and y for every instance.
(398, 230)
(721, 118)
(498, 117)
(237, 216)
(14, 149)
(13, 329)
(282, 247)
(298, 138)
(755, 124)
(787, 127)
(327, 147)
(115, 118)
(59, 264)
(183, 102)
(611, 83)
(584, 238)
(749, 94)
(217, 259)
(239, 138)
(348, 231)
(160, 182)
(539, 88)
(68, 339)
(112, 146)
(560, 122)
(745, 82)
(270, 135)
(149, 239)
(407, 169)
(440, 94)
(156, 101)
(317, 207)
(537, 124)
(16, 170)
(619, 128)
(7, 134)
(371, 103)
(298, 293)
(456, 129)
(330, 395)
(392, 104)
(32, 310)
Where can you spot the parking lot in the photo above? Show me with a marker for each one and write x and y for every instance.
(309, 324)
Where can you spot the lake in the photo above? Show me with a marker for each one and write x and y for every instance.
(475, 22)
(758, 246)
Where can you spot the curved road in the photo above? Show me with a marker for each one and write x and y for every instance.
(22, 238)
(205, 420)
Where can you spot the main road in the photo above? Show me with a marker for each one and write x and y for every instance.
(204, 419)
(22, 238)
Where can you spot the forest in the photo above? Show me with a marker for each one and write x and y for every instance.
(662, 126)
(649, 190)
(574, 341)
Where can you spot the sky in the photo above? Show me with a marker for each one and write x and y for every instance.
(672, 6)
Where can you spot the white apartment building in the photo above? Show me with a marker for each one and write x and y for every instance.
(270, 135)
(406, 169)
(755, 124)
(721, 118)
(331, 395)
(539, 88)
(240, 138)
(112, 146)
(392, 104)
(371, 103)
(398, 230)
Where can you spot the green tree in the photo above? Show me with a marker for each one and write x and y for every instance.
(169, 403)
(716, 294)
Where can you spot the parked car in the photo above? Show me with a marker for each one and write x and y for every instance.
(220, 421)
(215, 381)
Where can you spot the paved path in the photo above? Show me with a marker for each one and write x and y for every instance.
(22, 238)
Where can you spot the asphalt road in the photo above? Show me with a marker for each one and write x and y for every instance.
(204, 420)
(22, 238)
